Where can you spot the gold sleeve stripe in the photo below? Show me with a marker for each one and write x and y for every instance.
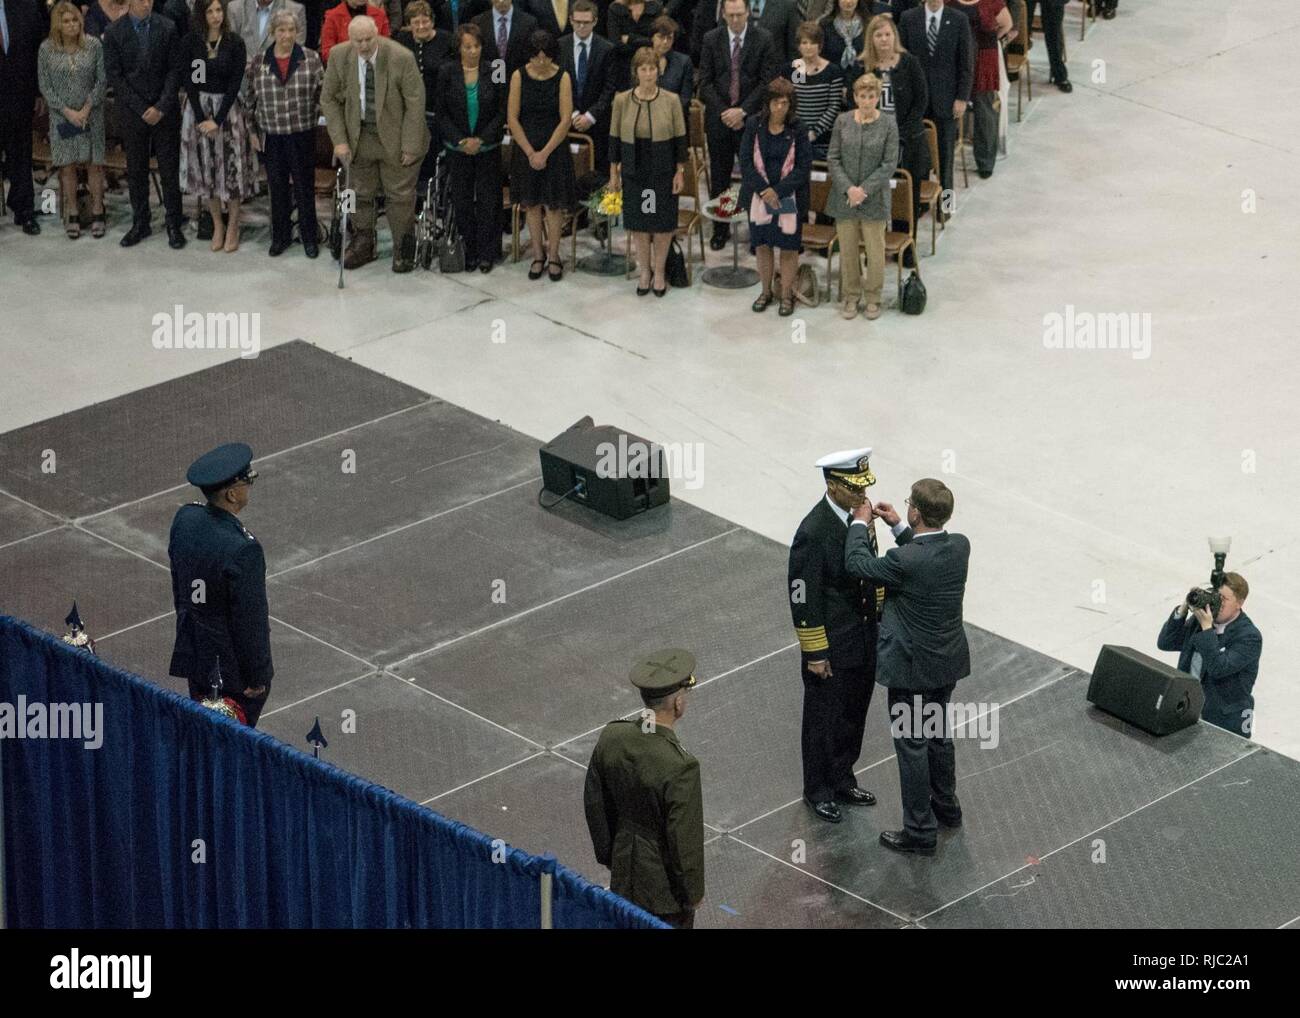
(812, 639)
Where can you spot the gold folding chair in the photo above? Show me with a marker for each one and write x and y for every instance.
(821, 236)
(931, 188)
(1017, 57)
(699, 141)
(897, 242)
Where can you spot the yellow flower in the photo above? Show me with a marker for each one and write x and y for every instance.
(611, 203)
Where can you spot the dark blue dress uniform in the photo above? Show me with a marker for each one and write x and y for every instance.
(835, 619)
(219, 590)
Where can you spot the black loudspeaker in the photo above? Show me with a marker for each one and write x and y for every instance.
(1150, 694)
(614, 473)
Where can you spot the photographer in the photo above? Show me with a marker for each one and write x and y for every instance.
(1222, 650)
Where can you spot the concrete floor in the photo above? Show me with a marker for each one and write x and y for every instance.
(1087, 481)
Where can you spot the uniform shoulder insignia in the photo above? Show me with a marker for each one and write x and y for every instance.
(196, 503)
(246, 532)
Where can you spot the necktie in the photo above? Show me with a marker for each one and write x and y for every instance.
(582, 67)
(4, 28)
(735, 70)
(561, 8)
(875, 551)
(455, 15)
(756, 8)
(503, 38)
(932, 34)
(369, 115)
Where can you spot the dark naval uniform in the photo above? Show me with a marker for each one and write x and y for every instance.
(645, 812)
(224, 619)
(835, 619)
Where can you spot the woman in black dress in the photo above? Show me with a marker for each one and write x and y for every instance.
(845, 28)
(629, 24)
(647, 159)
(775, 162)
(471, 115)
(676, 73)
(541, 168)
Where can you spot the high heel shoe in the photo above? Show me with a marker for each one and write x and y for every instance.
(641, 291)
(660, 293)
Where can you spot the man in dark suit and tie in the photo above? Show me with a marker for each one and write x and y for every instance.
(922, 651)
(779, 18)
(508, 24)
(142, 60)
(835, 622)
(22, 29)
(1222, 650)
(738, 60)
(941, 39)
(552, 15)
(589, 60)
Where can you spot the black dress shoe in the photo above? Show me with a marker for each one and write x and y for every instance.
(485, 267)
(985, 174)
(901, 841)
(470, 265)
(278, 247)
(32, 228)
(175, 239)
(401, 264)
(137, 233)
(855, 796)
(721, 234)
(310, 248)
(828, 811)
(1065, 86)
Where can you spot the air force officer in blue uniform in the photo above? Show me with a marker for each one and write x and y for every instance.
(219, 586)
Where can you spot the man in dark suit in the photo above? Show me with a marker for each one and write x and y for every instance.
(219, 585)
(941, 39)
(922, 651)
(23, 25)
(738, 60)
(835, 621)
(142, 59)
(779, 18)
(1222, 650)
(589, 59)
(552, 15)
(508, 23)
(1054, 33)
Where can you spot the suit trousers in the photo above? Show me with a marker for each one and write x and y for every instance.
(16, 148)
(834, 720)
(163, 140)
(724, 144)
(291, 178)
(986, 130)
(476, 203)
(1053, 33)
(946, 129)
(251, 706)
(927, 767)
(373, 170)
(856, 237)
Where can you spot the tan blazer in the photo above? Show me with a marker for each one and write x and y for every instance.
(399, 96)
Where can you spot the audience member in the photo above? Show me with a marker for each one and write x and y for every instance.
(23, 31)
(338, 18)
(588, 59)
(431, 49)
(940, 39)
(845, 32)
(102, 13)
(251, 21)
(73, 81)
(506, 30)
(676, 73)
(819, 86)
(1054, 34)
(989, 21)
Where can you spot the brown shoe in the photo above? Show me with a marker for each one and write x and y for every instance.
(849, 309)
(360, 250)
(873, 311)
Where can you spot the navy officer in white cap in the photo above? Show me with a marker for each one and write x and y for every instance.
(219, 585)
(835, 618)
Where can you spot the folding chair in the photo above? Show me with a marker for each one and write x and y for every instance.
(897, 242)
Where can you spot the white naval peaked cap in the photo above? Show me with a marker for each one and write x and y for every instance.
(845, 459)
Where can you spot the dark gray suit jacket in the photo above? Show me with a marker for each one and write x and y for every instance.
(922, 642)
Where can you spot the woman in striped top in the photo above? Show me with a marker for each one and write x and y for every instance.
(819, 84)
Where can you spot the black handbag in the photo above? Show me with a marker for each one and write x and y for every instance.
(912, 301)
(675, 267)
(67, 129)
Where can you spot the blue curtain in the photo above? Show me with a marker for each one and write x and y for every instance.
(110, 837)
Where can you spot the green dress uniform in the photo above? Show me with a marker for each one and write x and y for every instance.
(645, 809)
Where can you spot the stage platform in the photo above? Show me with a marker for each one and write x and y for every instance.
(483, 641)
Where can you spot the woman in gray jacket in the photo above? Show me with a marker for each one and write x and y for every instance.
(862, 157)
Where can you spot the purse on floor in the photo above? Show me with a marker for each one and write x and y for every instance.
(912, 300)
(675, 267)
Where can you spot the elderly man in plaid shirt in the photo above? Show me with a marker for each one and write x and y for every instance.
(284, 85)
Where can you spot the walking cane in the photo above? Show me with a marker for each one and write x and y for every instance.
(343, 213)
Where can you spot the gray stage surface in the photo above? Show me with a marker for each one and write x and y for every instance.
(482, 642)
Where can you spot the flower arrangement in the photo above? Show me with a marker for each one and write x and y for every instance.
(605, 202)
(728, 204)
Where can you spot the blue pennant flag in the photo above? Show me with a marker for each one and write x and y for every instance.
(317, 738)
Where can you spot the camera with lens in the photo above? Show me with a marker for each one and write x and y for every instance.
(1209, 597)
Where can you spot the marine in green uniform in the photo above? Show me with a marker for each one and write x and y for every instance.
(644, 806)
